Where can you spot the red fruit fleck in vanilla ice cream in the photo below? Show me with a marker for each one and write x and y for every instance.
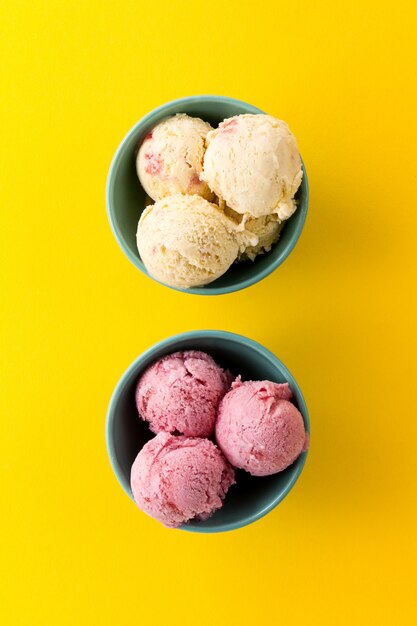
(181, 393)
(258, 429)
(176, 479)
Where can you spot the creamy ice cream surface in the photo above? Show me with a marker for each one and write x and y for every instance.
(259, 429)
(267, 228)
(178, 479)
(181, 393)
(265, 231)
(186, 241)
(170, 158)
(252, 163)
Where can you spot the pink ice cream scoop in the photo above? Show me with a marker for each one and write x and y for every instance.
(176, 479)
(181, 393)
(258, 429)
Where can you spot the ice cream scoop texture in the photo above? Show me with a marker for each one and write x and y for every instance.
(181, 393)
(176, 479)
(186, 241)
(252, 163)
(170, 158)
(258, 429)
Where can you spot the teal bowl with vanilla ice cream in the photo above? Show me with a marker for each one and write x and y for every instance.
(127, 200)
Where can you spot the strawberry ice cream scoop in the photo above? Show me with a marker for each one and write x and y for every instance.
(181, 393)
(176, 479)
(258, 429)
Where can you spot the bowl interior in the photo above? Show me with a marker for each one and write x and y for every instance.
(126, 197)
(251, 497)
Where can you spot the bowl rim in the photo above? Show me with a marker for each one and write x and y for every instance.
(220, 335)
(206, 290)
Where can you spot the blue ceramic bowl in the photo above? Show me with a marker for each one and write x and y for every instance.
(126, 197)
(252, 497)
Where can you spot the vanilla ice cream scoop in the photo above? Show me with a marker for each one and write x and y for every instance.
(170, 158)
(186, 241)
(264, 230)
(267, 228)
(252, 163)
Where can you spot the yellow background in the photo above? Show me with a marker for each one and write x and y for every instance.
(340, 313)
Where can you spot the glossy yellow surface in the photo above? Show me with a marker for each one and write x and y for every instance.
(340, 312)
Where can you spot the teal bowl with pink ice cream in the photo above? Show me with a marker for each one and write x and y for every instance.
(127, 200)
(237, 494)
